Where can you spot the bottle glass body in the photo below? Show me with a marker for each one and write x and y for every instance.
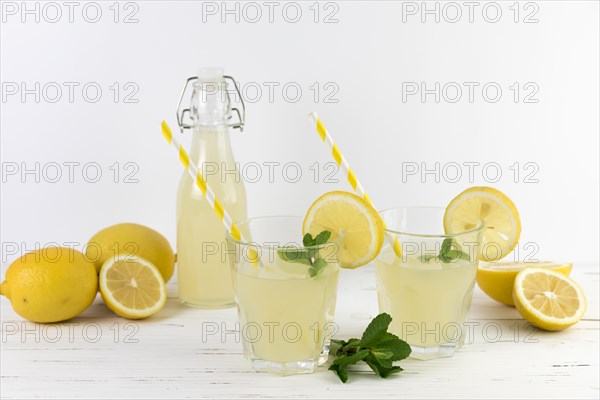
(203, 272)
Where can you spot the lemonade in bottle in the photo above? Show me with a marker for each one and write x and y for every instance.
(203, 273)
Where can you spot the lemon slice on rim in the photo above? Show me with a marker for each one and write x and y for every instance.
(482, 204)
(548, 299)
(497, 279)
(132, 287)
(346, 214)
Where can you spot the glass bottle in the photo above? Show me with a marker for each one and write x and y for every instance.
(203, 272)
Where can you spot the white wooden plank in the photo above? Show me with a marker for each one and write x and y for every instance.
(166, 356)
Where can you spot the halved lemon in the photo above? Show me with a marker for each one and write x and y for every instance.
(351, 217)
(548, 299)
(132, 287)
(497, 279)
(482, 204)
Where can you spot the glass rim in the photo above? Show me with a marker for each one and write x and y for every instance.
(477, 229)
(271, 217)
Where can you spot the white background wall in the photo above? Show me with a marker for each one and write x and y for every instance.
(369, 55)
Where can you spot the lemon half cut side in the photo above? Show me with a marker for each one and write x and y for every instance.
(548, 299)
(497, 279)
(132, 287)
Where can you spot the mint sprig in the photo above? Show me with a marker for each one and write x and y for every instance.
(307, 256)
(377, 348)
(449, 252)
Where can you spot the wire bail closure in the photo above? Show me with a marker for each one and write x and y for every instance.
(241, 115)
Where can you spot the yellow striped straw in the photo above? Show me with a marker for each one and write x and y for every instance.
(198, 177)
(341, 161)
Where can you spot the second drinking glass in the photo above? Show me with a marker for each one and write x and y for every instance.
(428, 289)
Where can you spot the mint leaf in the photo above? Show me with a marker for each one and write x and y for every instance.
(309, 256)
(376, 330)
(389, 336)
(294, 255)
(382, 354)
(450, 252)
(352, 345)
(322, 238)
(389, 371)
(307, 240)
(446, 245)
(374, 364)
(352, 359)
(382, 370)
(377, 347)
(335, 345)
(341, 347)
(398, 348)
(340, 372)
(381, 362)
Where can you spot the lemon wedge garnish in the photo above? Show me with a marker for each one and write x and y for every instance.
(351, 220)
(492, 208)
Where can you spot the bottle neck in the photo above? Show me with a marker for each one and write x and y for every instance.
(211, 144)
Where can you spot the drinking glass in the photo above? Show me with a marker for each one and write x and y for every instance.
(285, 295)
(428, 289)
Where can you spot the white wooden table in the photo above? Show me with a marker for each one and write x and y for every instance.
(99, 355)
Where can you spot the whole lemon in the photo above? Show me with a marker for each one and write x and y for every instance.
(51, 284)
(134, 240)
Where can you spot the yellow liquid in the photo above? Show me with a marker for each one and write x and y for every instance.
(203, 272)
(428, 302)
(292, 313)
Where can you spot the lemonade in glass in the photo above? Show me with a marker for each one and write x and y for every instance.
(286, 295)
(428, 289)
